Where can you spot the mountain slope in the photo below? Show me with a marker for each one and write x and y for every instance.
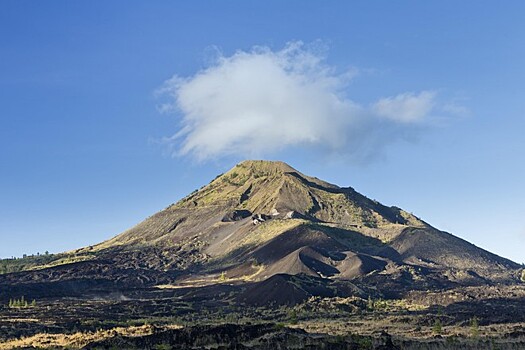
(272, 190)
(264, 219)
(269, 214)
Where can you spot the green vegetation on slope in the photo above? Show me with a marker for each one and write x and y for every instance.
(37, 262)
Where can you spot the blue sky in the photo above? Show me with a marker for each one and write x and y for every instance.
(80, 123)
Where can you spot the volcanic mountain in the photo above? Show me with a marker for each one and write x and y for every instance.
(271, 229)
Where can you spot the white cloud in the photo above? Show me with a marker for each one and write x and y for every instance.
(407, 107)
(257, 102)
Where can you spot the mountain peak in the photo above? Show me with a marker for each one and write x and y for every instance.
(269, 191)
(273, 170)
(263, 218)
(266, 165)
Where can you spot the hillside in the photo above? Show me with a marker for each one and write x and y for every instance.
(264, 242)
(262, 218)
(265, 218)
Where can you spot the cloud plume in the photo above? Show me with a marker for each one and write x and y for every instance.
(257, 102)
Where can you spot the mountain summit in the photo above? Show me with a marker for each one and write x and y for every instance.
(262, 224)
(264, 218)
(265, 191)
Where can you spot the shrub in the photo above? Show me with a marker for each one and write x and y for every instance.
(438, 327)
(292, 316)
(222, 277)
(474, 327)
(21, 303)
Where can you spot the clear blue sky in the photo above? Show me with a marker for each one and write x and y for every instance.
(79, 118)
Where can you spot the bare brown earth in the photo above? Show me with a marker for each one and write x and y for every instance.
(262, 244)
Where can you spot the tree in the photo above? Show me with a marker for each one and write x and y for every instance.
(370, 303)
(292, 315)
(474, 327)
(222, 276)
(21, 303)
(438, 327)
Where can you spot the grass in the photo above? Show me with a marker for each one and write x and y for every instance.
(340, 317)
(38, 262)
(25, 263)
(78, 340)
(267, 231)
(70, 259)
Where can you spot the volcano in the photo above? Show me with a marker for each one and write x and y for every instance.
(265, 226)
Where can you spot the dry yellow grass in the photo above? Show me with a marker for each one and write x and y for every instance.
(266, 231)
(64, 261)
(19, 319)
(79, 339)
(213, 280)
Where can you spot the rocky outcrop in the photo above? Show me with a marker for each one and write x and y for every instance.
(236, 215)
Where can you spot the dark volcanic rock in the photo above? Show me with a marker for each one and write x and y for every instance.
(286, 290)
(236, 215)
(232, 336)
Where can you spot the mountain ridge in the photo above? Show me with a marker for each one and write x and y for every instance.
(263, 219)
(269, 213)
(268, 188)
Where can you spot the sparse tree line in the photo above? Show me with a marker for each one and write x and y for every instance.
(21, 303)
(16, 264)
(25, 256)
